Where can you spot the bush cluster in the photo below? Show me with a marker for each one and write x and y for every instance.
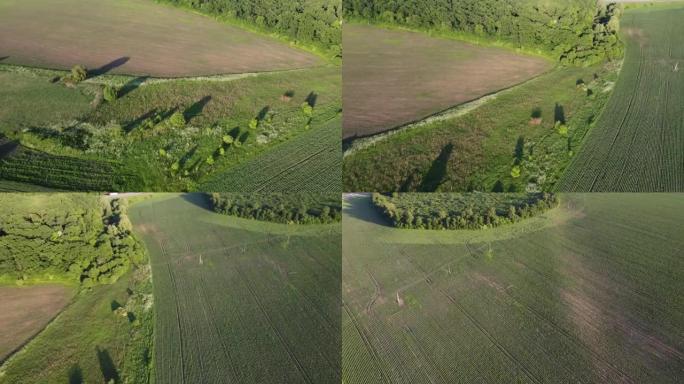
(461, 211)
(297, 208)
(81, 240)
(572, 31)
(316, 22)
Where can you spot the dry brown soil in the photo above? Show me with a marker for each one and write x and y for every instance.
(395, 77)
(26, 311)
(135, 37)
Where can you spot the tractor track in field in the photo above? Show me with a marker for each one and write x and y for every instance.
(377, 361)
(275, 330)
(491, 338)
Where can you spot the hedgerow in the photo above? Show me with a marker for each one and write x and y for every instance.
(461, 210)
(300, 208)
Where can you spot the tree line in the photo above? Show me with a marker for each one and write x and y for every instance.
(81, 239)
(315, 22)
(472, 211)
(300, 208)
(572, 31)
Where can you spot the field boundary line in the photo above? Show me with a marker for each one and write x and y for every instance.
(452, 112)
(180, 328)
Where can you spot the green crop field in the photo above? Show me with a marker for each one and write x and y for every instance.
(240, 300)
(637, 143)
(586, 292)
(140, 125)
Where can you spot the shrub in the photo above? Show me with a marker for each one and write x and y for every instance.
(79, 73)
(109, 93)
(253, 124)
(228, 139)
(307, 109)
(515, 172)
(177, 120)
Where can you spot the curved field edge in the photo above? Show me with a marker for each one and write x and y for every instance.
(636, 144)
(197, 261)
(572, 302)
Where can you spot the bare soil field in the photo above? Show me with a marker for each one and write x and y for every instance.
(135, 37)
(26, 311)
(395, 77)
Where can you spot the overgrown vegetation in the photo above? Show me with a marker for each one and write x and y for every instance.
(300, 208)
(513, 143)
(314, 22)
(461, 211)
(67, 237)
(571, 31)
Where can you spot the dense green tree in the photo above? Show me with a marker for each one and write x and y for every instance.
(573, 31)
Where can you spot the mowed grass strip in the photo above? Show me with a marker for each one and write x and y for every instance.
(135, 37)
(241, 300)
(26, 311)
(592, 298)
(637, 144)
(392, 77)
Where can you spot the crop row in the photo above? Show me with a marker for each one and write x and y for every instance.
(33, 167)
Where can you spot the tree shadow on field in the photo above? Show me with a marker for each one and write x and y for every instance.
(107, 366)
(360, 206)
(196, 109)
(134, 123)
(435, 175)
(4, 57)
(108, 67)
(115, 305)
(262, 113)
(7, 147)
(519, 150)
(132, 85)
(201, 200)
(311, 99)
(75, 375)
(559, 113)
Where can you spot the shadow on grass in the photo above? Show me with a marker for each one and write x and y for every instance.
(311, 99)
(132, 85)
(4, 57)
(196, 109)
(107, 366)
(7, 147)
(437, 172)
(519, 150)
(108, 67)
(202, 200)
(75, 374)
(360, 206)
(559, 113)
(115, 305)
(262, 114)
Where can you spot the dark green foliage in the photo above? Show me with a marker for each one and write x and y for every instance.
(68, 235)
(573, 31)
(300, 208)
(316, 22)
(461, 211)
